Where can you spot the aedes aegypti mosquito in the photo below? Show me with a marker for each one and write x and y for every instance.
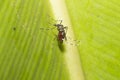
(62, 31)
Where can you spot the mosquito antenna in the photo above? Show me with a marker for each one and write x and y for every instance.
(60, 21)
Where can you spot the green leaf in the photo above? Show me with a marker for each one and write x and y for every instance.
(29, 53)
(97, 24)
(26, 51)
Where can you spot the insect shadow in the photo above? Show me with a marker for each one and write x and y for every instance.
(61, 46)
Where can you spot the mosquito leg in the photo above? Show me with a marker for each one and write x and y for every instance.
(66, 29)
(55, 37)
(73, 41)
(50, 20)
(65, 37)
(42, 28)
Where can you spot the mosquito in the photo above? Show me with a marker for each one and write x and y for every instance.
(62, 31)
